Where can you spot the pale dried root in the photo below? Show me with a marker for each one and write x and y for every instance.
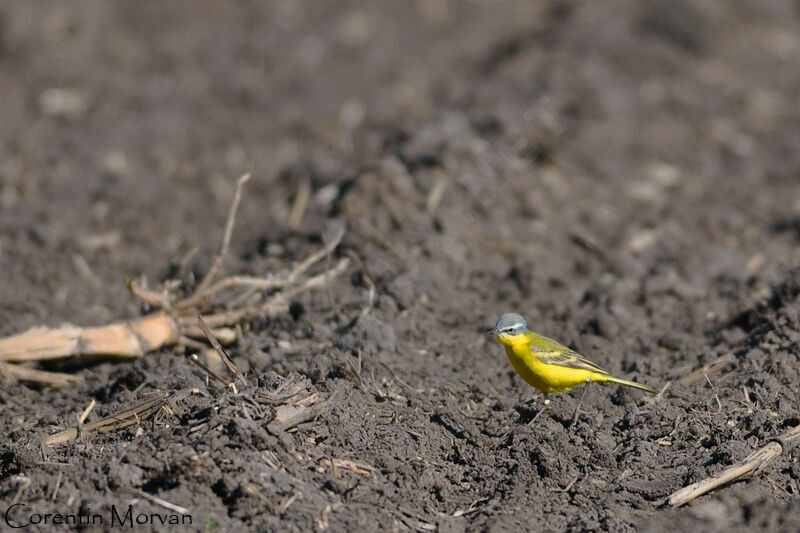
(224, 303)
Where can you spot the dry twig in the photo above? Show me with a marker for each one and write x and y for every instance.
(223, 353)
(711, 368)
(300, 204)
(216, 265)
(158, 501)
(85, 413)
(53, 379)
(115, 422)
(754, 464)
(196, 360)
(224, 302)
(350, 466)
(296, 412)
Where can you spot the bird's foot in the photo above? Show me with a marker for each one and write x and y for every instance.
(542, 410)
(578, 407)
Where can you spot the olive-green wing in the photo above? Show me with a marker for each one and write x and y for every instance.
(554, 353)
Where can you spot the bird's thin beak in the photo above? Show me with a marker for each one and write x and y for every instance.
(492, 331)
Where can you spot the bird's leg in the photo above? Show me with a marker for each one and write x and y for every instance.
(578, 407)
(542, 410)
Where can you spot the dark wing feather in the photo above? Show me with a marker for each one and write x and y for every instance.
(553, 353)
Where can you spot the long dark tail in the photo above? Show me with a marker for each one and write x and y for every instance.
(633, 384)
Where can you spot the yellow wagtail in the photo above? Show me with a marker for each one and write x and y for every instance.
(548, 365)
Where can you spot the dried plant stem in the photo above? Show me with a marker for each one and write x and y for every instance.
(53, 379)
(216, 264)
(223, 303)
(115, 422)
(223, 354)
(130, 339)
(300, 204)
(85, 413)
(196, 360)
(754, 464)
(711, 368)
(277, 303)
(158, 501)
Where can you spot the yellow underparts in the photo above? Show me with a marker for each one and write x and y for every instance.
(544, 376)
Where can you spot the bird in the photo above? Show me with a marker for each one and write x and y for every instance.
(548, 365)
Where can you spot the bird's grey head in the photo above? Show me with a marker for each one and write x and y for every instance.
(510, 324)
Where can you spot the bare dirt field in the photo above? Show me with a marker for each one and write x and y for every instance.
(624, 174)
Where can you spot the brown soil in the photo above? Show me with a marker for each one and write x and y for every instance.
(624, 174)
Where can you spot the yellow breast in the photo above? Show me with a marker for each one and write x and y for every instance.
(543, 376)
